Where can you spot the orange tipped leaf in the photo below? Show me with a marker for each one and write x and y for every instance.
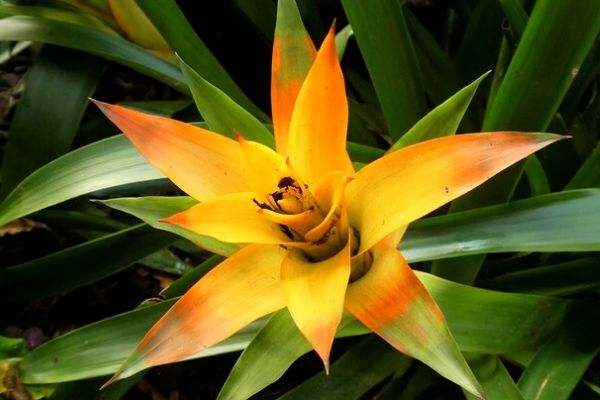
(215, 308)
(409, 183)
(317, 135)
(391, 301)
(202, 163)
(293, 54)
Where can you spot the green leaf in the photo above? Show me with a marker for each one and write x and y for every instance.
(588, 174)
(136, 25)
(559, 365)
(107, 163)
(516, 16)
(544, 65)
(265, 359)
(404, 387)
(565, 221)
(12, 347)
(81, 264)
(341, 40)
(386, 46)
(43, 126)
(439, 75)
(152, 209)
(551, 280)
(523, 324)
(94, 41)
(373, 360)
(363, 153)
(100, 348)
(175, 28)
(89, 389)
(77, 18)
(221, 113)
(262, 14)
(442, 120)
(585, 76)
(493, 376)
(513, 322)
(165, 108)
(536, 176)
(479, 45)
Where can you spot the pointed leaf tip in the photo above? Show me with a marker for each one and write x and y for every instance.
(293, 55)
(314, 293)
(391, 301)
(213, 309)
(202, 163)
(319, 122)
(434, 172)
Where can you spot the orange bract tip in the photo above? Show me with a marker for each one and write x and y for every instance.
(317, 133)
(202, 163)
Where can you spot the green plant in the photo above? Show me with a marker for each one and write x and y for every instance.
(545, 69)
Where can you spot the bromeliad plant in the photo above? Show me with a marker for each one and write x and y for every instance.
(316, 236)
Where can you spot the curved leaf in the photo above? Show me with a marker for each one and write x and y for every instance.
(106, 163)
(99, 348)
(565, 221)
(94, 41)
(442, 120)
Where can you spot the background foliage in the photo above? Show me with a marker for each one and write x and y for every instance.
(516, 260)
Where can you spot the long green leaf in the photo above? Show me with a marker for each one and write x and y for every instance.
(442, 120)
(440, 78)
(81, 264)
(262, 14)
(175, 28)
(77, 18)
(536, 176)
(493, 376)
(49, 112)
(386, 46)
(100, 348)
(513, 322)
(221, 113)
(516, 16)
(88, 389)
(411, 387)
(561, 279)
(566, 221)
(559, 365)
(92, 41)
(478, 49)
(245, 378)
(588, 174)
(108, 163)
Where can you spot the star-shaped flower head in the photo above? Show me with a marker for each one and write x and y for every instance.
(316, 236)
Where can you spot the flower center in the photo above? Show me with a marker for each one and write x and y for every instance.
(289, 197)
